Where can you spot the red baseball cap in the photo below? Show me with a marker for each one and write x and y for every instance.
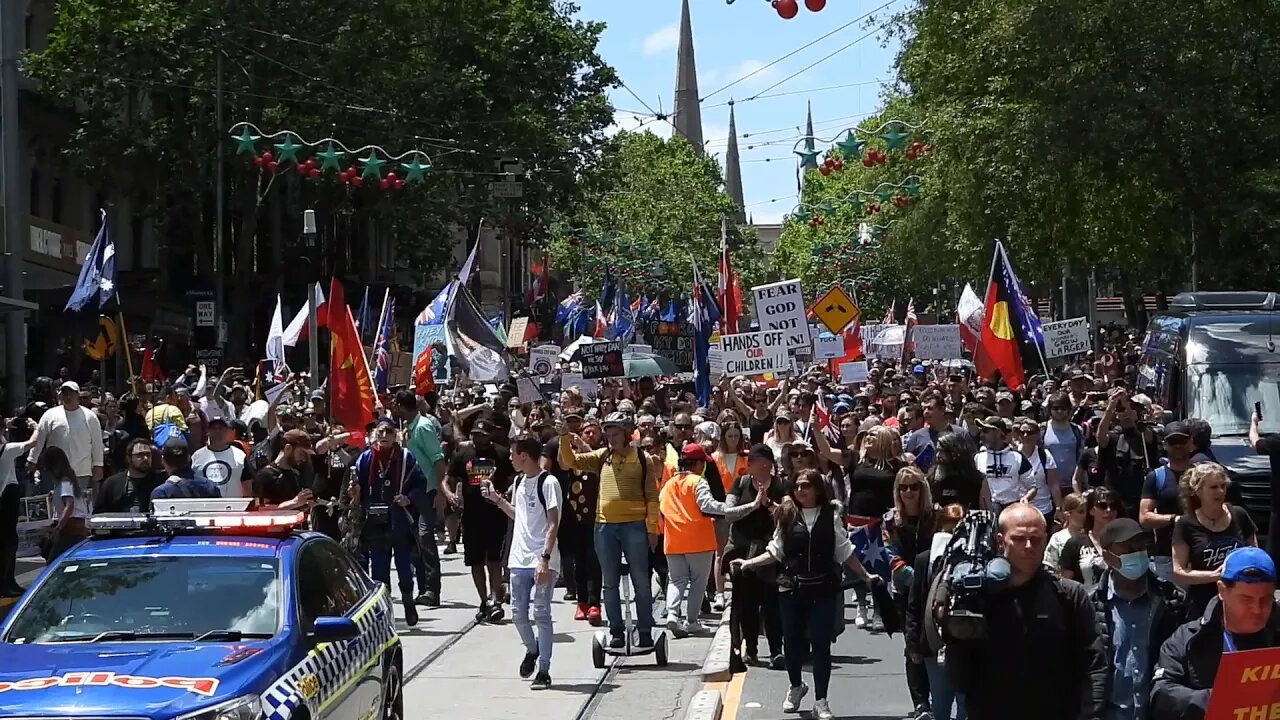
(693, 451)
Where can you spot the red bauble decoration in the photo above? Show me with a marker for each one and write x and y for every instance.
(912, 154)
(901, 201)
(301, 169)
(357, 180)
(391, 176)
(838, 164)
(873, 208)
(313, 173)
(257, 161)
(385, 184)
(825, 169)
(815, 5)
(787, 9)
(272, 165)
(881, 157)
(267, 156)
(868, 161)
(398, 184)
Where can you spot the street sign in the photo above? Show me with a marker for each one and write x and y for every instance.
(506, 189)
(509, 166)
(103, 345)
(836, 310)
(204, 313)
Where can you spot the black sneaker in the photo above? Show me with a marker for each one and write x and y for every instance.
(451, 549)
(410, 613)
(541, 682)
(570, 596)
(617, 641)
(527, 665)
(497, 613)
(777, 662)
(644, 640)
(429, 598)
(482, 613)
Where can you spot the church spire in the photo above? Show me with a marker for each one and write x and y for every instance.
(811, 159)
(687, 113)
(733, 171)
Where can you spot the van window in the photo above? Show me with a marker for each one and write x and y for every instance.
(1230, 366)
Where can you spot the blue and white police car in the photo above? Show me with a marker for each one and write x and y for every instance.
(202, 615)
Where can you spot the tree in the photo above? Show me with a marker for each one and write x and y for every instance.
(467, 82)
(649, 206)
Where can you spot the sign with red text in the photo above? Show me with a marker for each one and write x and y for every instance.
(1247, 686)
(755, 353)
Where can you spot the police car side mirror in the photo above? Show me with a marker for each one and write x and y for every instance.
(333, 629)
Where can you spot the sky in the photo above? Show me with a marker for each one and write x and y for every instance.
(732, 41)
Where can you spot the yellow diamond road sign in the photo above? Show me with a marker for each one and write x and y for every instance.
(836, 310)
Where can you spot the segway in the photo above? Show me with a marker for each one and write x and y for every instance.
(600, 640)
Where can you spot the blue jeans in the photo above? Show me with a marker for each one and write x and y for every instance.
(614, 541)
(522, 587)
(808, 623)
(941, 694)
(427, 562)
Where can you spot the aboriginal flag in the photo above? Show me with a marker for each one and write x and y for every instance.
(1003, 324)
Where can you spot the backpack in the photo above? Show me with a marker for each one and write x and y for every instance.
(1162, 478)
(165, 432)
(542, 496)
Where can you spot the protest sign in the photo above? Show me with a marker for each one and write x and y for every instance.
(588, 388)
(936, 342)
(640, 349)
(543, 359)
(679, 348)
(515, 335)
(601, 359)
(433, 335)
(887, 343)
(754, 353)
(1066, 337)
(1247, 685)
(853, 372)
(780, 306)
(35, 516)
(529, 392)
(828, 347)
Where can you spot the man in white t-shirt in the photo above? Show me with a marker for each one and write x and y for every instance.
(534, 560)
(1007, 474)
(76, 431)
(221, 462)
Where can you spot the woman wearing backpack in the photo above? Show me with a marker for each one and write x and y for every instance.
(907, 530)
(920, 627)
(1044, 471)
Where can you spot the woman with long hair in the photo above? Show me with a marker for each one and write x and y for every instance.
(782, 434)
(871, 496)
(56, 473)
(810, 547)
(730, 459)
(1208, 531)
(1081, 558)
(908, 529)
(1073, 515)
(954, 478)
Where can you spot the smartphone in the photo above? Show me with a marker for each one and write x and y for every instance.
(1257, 410)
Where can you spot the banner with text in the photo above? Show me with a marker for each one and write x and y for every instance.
(828, 347)
(755, 353)
(936, 342)
(601, 359)
(781, 306)
(1066, 337)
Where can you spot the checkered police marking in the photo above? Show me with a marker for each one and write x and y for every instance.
(326, 672)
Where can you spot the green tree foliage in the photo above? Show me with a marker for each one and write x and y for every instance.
(468, 82)
(650, 205)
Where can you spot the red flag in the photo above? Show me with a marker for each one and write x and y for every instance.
(999, 348)
(423, 381)
(729, 293)
(351, 396)
(150, 370)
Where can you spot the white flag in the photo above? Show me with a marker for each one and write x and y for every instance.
(298, 324)
(970, 310)
(275, 337)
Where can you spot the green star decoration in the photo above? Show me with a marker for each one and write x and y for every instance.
(884, 194)
(856, 204)
(288, 149)
(827, 208)
(245, 141)
(372, 166)
(851, 146)
(416, 171)
(801, 215)
(329, 159)
(894, 138)
(809, 158)
(912, 187)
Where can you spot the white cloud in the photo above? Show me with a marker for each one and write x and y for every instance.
(661, 40)
(749, 66)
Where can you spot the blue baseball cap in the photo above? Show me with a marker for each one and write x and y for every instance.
(1249, 565)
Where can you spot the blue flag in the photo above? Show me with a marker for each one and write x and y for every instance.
(703, 316)
(97, 283)
(607, 289)
(433, 313)
(382, 349)
(624, 320)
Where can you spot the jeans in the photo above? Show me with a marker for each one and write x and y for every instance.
(687, 583)
(808, 621)
(427, 562)
(586, 567)
(522, 588)
(941, 694)
(614, 541)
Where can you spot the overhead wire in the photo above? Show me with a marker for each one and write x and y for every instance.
(808, 91)
(827, 57)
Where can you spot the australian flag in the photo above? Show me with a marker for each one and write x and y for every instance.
(433, 313)
(624, 318)
(97, 283)
(703, 316)
(382, 348)
(868, 545)
(1028, 319)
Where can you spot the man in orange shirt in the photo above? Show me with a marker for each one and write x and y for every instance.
(689, 539)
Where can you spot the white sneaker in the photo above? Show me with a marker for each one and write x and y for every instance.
(718, 603)
(860, 616)
(822, 710)
(676, 627)
(693, 627)
(794, 696)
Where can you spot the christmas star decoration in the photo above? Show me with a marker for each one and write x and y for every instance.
(329, 159)
(827, 208)
(288, 150)
(912, 187)
(417, 171)
(884, 194)
(851, 146)
(245, 141)
(809, 158)
(802, 215)
(856, 204)
(894, 138)
(372, 166)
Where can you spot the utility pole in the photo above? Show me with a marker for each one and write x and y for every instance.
(11, 23)
(313, 331)
(219, 285)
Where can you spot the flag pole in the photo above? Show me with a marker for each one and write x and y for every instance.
(128, 356)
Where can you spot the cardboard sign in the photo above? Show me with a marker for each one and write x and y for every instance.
(828, 347)
(836, 309)
(780, 306)
(516, 333)
(601, 359)
(679, 348)
(35, 515)
(852, 373)
(543, 359)
(1247, 686)
(588, 388)
(936, 342)
(754, 353)
(1066, 337)
(529, 392)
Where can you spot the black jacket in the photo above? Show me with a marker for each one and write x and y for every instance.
(1045, 651)
(1168, 611)
(1189, 663)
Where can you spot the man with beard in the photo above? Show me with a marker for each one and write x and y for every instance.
(279, 485)
(130, 490)
(476, 466)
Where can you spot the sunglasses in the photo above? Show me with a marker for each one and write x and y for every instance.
(803, 485)
(797, 454)
(909, 487)
(1102, 506)
(683, 426)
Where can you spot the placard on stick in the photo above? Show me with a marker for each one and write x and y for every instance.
(601, 359)
(781, 306)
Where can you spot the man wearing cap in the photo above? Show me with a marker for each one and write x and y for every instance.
(689, 538)
(475, 465)
(1141, 611)
(1243, 616)
(183, 483)
(1160, 505)
(220, 462)
(76, 431)
(422, 438)
(279, 485)
(1007, 474)
(627, 517)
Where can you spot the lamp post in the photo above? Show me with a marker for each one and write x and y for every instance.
(313, 332)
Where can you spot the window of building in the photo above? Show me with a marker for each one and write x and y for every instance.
(33, 193)
(55, 201)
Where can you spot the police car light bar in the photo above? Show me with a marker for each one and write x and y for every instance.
(172, 522)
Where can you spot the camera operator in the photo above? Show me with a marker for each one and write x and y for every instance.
(1127, 448)
(1043, 651)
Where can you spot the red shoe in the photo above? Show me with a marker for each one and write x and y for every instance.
(593, 615)
(581, 612)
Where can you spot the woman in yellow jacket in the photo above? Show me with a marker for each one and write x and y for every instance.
(689, 540)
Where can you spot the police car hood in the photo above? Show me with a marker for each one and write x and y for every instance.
(158, 680)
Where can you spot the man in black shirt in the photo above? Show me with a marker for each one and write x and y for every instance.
(130, 490)
(1160, 506)
(477, 468)
(279, 485)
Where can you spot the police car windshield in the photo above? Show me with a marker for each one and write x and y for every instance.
(134, 599)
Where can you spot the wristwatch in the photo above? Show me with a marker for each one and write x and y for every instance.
(546, 556)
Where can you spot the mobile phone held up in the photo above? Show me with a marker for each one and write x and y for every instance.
(1257, 410)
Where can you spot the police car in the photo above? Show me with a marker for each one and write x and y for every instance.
(198, 614)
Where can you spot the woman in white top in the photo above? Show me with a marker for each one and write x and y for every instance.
(1073, 514)
(1044, 471)
(70, 528)
(782, 435)
(1081, 558)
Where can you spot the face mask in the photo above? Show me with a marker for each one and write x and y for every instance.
(1134, 565)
